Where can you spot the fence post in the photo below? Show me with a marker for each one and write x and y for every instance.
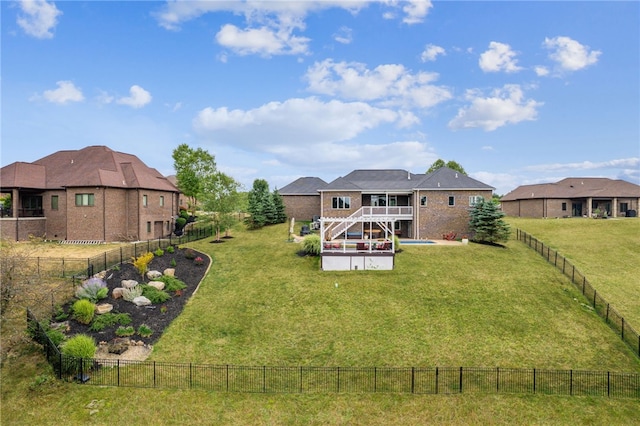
(534, 380)
(571, 382)
(594, 297)
(118, 369)
(227, 377)
(460, 379)
(300, 379)
(264, 379)
(437, 373)
(154, 374)
(497, 379)
(375, 379)
(413, 379)
(338, 384)
(622, 329)
(608, 384)
(190, 377)
(607, 317)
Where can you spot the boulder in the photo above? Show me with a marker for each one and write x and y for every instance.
(141, 301)
(170, 272)
(129, 283)
(154, 274)
(103, 308)
(116, 293)
(156, 284)
(118, 346)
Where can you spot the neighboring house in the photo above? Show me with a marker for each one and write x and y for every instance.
(574, 197)
(417, 206)
(93, 193)
(301, 198)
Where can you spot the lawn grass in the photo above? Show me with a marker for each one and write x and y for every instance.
(606, 251)
(262, 304)
(473, 305)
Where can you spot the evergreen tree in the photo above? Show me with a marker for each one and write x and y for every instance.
(259, 199)
(281, 217)
(487, 224)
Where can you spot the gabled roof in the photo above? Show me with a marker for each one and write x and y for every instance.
(446, 178)
(575, 188)
(304, 186)
(90, 166)
(402, 180)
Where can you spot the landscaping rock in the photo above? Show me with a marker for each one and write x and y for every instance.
(141, 301)
(103, 308)
(60, 326)
(118, 346)
(154, 274)
(169, 272)
(117, 292)
(157, 284)
(129, 283)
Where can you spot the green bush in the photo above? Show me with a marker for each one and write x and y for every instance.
(92, 289)
(109, 319)
(56, 336)
(171, 283)
(181, 222)
(396, 243)
(170, 250)
(189, 253)
(129, 294)
(159, 252)
(144, 330)
(154, 295)
(124, 331)
(83, 310)
(79, 346)
(311, 245)
(173, 263)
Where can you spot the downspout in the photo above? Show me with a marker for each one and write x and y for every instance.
(416, 225)
(104, 214)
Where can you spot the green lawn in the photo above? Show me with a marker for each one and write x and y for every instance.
(262, 304)
(606, 251)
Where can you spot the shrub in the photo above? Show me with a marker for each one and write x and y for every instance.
(142, 262)
(189, 253)
(396, 243)
(171, 283)
(56, 336)
(173, 263)
(158, 252)
(154, 295)
(170, 250)
(181, 222)
(83, 310)
(79, 346)
(106, 320)
(59, 314)
(198, 261)
(92, 289)
(124, 331)
(144, 330)
(129, 294)
(311, 245)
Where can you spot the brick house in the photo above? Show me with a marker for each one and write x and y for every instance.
(364, 202)
(574, 197)
(301, 198)
(93, 193)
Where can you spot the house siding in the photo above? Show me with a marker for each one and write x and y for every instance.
(438, 217)
(301, 207)
(327, 203)
(56, 223)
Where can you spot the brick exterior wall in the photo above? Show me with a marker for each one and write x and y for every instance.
(20, 230)
(327, 203)
(301, 207)
(552, 207)
(438, 218)
(523, 208)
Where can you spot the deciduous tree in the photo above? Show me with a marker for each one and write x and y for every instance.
(439, 163)
(193, 167)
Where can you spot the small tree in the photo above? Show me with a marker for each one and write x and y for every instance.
(259, 204)
(487, 224)
(439, 163)
(278, 204)
(221, 199)
(193, 167)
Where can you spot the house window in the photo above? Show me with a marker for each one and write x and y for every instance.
(145, 201)
(162, 201)
(54, 202)
(624, 207)
(473, 200)
(393, 200)
(33, 202)
(148, 227)
(85, 200)
(564, 207)
(423, 201)
(341, 202)
(452, 200)
(378, 201)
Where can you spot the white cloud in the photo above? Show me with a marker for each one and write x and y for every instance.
(344, 35)
(499, 57)
(389, 84)
(38, 18)
(415, 11)
(541, 71)
(622, 164)
(138, 97)
(264, 41)
(65, 93)
(504, 106)
(431, 52)
(569, 54)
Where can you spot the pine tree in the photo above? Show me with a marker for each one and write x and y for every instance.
(259, 200)
(281, 217)
(487, 224)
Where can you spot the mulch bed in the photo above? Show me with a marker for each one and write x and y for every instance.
(156, 317)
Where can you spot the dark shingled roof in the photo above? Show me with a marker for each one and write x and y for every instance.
(303, 186)
(402, 180)
(575, 188)
(90, 166)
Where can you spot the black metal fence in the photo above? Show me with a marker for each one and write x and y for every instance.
(611, 316)
(305, 379)
(86, 267)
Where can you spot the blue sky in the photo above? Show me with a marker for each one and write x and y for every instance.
(516, 92)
